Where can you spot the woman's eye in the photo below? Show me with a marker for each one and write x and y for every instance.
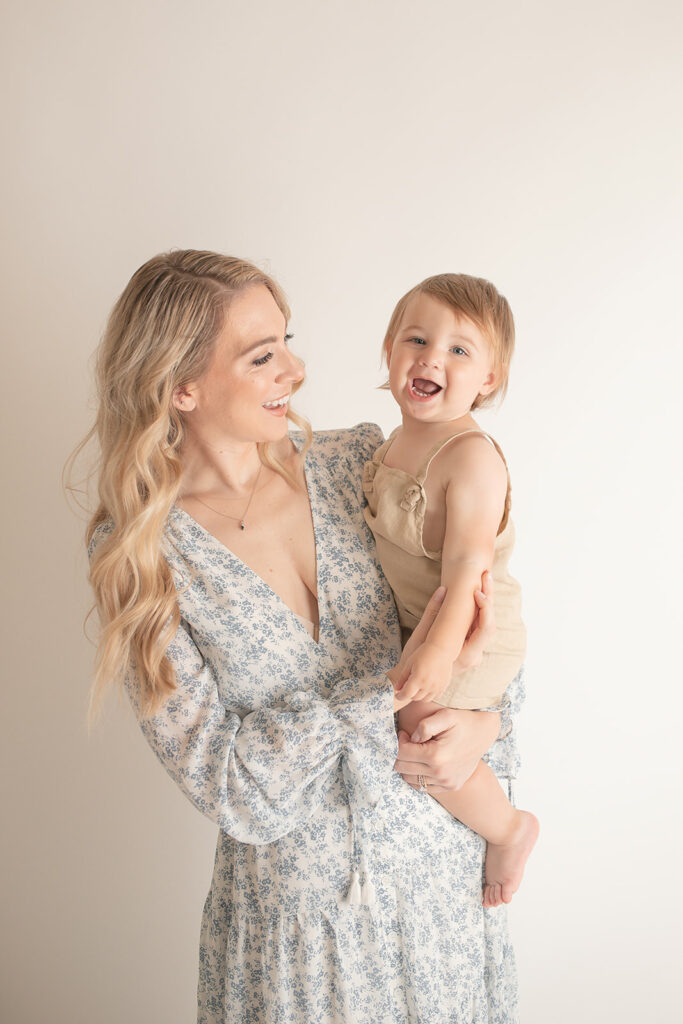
(262, 360)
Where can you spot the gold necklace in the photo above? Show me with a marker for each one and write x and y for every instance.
(242, 520)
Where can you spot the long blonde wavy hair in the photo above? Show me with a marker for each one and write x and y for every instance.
(160, 335)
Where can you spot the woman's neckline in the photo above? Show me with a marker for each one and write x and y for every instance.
(176, 510)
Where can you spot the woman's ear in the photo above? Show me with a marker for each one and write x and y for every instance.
(183, 399)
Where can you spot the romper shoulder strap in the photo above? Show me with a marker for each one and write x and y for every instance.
(442, 444)
(432, 454)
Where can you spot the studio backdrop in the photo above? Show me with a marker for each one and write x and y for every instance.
(352, 149)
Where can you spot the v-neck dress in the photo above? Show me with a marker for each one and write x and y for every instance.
(288, 744)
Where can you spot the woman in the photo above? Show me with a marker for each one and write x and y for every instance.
(245, 598)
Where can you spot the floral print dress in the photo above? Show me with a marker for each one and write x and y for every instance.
(339, 894)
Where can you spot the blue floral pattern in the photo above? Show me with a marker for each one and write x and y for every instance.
(288, 745)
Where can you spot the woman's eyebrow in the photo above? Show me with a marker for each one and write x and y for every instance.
(258, 344)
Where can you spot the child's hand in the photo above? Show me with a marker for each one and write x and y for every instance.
(427, 674)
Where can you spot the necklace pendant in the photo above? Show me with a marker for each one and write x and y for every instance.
(243, 525)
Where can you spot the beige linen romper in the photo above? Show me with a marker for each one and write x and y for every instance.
(396, 509)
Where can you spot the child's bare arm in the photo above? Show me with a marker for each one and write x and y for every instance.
(476, 484)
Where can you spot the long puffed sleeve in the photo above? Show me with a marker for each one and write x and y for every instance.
(262, 775)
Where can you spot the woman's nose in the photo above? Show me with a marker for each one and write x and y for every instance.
(292, 368)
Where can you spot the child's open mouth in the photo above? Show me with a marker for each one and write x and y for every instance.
(422, 388)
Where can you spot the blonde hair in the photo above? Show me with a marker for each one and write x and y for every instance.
(479, 301)
(160, 335)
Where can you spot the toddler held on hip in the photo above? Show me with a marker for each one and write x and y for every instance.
(438, 494)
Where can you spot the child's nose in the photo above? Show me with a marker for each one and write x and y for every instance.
(432, 359)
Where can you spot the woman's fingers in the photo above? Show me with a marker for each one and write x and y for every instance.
(483, 628)
(410, 760)
(407, 688)
(432, 787)
(430, 613)
(434, 758)
(414, 781)
(486, 621)
(412, 691)
(432, 725)
(401, 682)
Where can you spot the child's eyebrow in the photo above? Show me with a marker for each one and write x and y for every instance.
(464, 337)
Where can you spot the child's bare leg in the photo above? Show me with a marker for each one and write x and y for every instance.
(510, 834)
(482, 806)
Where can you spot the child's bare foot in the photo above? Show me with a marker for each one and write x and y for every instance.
(505, 862)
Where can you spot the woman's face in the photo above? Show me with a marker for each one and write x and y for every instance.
(244, 394)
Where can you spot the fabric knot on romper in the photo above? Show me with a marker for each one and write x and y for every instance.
(411, 497)
(369, 471)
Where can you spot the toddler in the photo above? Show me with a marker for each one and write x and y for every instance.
(438, 496)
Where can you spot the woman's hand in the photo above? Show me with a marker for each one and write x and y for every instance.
(482, 629)
(450, 744)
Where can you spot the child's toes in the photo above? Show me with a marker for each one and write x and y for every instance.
(492, 895)
(507, 892)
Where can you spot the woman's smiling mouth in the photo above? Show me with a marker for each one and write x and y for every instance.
(278, 406)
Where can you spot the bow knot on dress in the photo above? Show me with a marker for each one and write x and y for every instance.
(412, 496)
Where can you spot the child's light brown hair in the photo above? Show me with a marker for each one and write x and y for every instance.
(479, 301)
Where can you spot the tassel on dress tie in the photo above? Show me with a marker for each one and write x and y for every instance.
(359, 895)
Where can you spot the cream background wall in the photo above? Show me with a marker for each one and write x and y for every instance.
(354, 148)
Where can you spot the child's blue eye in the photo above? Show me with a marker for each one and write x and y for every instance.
(418, 341)
(288, 338)
(459, 351)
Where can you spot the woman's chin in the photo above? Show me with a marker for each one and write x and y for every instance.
(277, 432)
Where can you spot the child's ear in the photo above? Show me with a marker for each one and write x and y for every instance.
(388, 345)
(490, 383)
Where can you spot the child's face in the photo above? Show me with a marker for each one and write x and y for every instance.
(438, 362)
